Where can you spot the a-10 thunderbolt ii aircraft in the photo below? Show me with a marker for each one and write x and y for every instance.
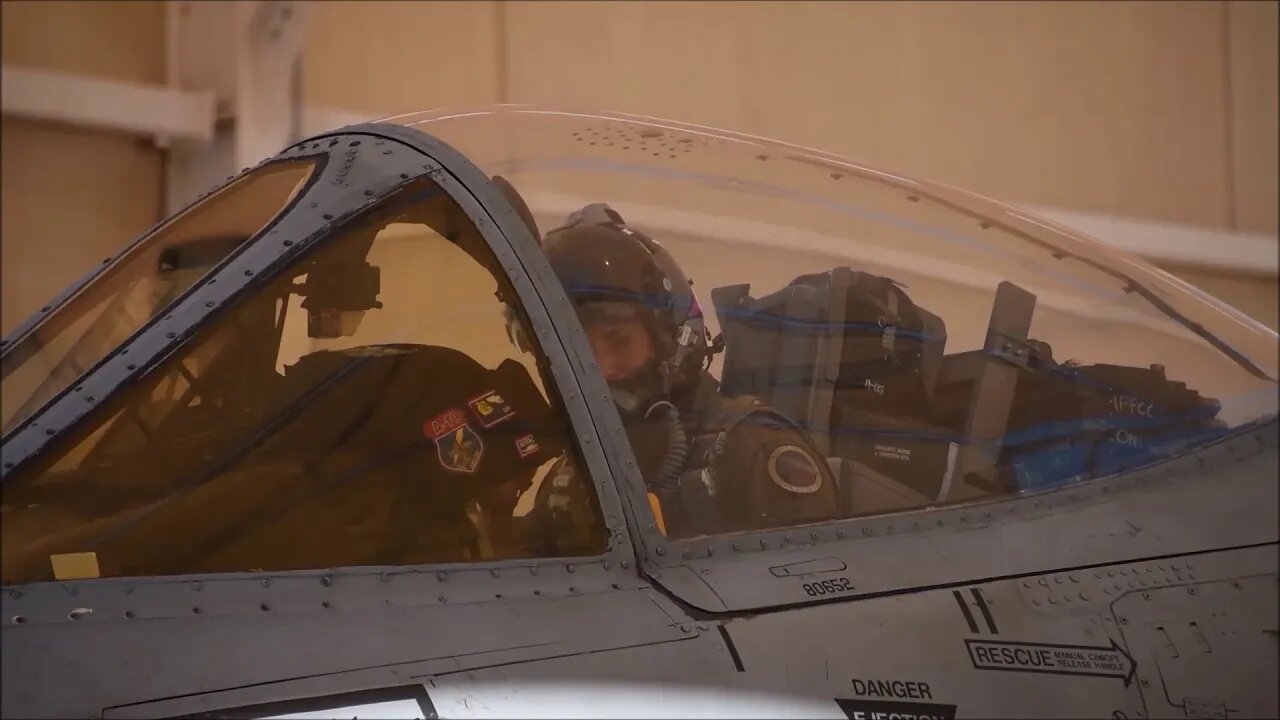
(284, 455)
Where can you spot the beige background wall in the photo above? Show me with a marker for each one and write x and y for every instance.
(1160, 110)
(71, 197)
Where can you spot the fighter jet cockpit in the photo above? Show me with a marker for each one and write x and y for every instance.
(474, 413)
(922, 347)
(326, 362)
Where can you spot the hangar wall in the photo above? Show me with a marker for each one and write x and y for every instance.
(1155, 110)
(72, 196)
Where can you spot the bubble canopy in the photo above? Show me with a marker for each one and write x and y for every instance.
(735, 208)
(1002, 328)
(942, 342)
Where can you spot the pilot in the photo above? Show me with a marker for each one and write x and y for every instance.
(711, 464)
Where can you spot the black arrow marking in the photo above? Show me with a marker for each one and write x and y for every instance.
(986, 613)
(964, 608)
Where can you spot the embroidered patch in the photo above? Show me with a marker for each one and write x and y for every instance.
(491, 409)
(794, 470)
(526, 445)
(457, 445)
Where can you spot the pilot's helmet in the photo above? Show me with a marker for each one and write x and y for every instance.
(611, 271)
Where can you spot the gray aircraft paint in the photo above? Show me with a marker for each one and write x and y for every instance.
(1172, 566)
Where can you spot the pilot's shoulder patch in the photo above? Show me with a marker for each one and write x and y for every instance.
(794, 469)
(491, 409)
(457, 445)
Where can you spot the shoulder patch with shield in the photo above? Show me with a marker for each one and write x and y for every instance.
(793, 469)
(457, 445)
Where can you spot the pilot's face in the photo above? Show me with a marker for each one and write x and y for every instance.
(622, 346)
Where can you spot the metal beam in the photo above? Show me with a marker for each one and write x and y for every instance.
(102, 104)
(249, 54)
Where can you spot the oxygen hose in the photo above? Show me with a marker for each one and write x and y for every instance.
(667, 483)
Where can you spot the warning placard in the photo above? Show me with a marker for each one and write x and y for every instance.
(1050, 658)
(859, 709)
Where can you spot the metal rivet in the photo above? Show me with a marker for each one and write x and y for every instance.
(266, 582)
(196, 610)
(171, 335)
(626, 564)
(442, 576)
(495, 572)
(573, 589)
(265, 607)
(89, 399)
(533, 569)
(661, 550)
(326, 580)
(325, 604)
(327, 216)
(49, 431)
(208, 303)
